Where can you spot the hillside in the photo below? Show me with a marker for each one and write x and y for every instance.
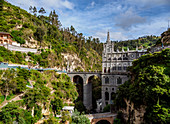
(58, 46)
(145, 97)
(39, 93)
(142, 42)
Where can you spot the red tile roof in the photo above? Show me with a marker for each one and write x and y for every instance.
(6, 33)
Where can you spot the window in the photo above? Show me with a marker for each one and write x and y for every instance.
(114, 67)
(106, 88)
(132, 55)
(114, 58)
(106, 96)
(104, 69)
(106, 80)
(108, 49)
(119, 67)
(119, 80)
(124, 67)
(113, 89)
(119, 58)
(109, 70)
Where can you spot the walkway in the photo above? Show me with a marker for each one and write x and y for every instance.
(18, 48)
(18, 97)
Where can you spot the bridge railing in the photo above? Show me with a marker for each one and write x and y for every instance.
(93, 72)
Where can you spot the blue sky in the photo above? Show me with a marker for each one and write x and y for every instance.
(125, 19)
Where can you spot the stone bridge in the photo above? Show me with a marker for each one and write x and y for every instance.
(85, 77)
(107, 117)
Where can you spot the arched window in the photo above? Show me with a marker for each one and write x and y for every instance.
(119, 80)
(104, 69)
(124, 67)
(106, 96)
(119, 67)
(114, 58)
(108, 49)
(106, 80)
(108, 69)
(114, 67)
(119, 58)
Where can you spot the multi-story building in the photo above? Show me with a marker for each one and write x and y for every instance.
(6, 38)
(114, 66)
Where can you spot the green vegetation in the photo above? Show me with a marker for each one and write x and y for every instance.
(145, 42)
(78, 118)
(148, 88)
(49, 34)
(50, 91)
(12, 112)
(17, 36)
(12, 57)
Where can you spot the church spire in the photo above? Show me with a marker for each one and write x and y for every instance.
(108, 37)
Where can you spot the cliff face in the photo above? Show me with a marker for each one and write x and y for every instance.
(166, 37)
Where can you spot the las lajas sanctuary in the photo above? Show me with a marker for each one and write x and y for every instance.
(114, 65)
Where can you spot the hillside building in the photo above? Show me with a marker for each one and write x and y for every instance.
(6, 38)
(114, 69)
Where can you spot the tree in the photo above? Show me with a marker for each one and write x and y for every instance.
(65, 116)
(42, 10)
(148, 87)
(57, 105)
(1, 5)
(31, 9)
(39, 35)
(53, 17)
(11, 112)
(35, 11)
(78, 118)
(7, 82)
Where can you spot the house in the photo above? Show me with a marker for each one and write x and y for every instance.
(6, 38)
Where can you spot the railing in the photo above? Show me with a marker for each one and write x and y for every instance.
(13, 66)
(82, 72)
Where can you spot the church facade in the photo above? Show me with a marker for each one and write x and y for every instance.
(114, 69)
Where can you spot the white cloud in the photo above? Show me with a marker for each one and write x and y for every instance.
(128, 19)
(47, 4)
(91, 5)
(148, 3)
(114, 36)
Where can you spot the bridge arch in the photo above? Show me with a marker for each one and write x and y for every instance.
(85, 80)
(106, 120)
(103, 122)
(79, 81)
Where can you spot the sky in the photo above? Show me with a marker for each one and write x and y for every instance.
(124, 19)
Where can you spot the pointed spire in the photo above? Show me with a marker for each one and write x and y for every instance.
(108, 37)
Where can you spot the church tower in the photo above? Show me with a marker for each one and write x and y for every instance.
(108, 38)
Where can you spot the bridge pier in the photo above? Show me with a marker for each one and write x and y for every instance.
(87, 95)
(87, 87)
